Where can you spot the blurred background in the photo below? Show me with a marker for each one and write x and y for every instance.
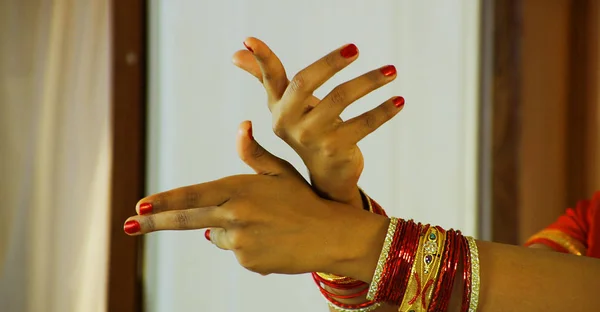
(104, 102)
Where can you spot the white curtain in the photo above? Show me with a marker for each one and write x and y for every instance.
(421, 165)
(54, 155)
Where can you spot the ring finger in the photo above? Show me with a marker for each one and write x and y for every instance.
(345, 94)
(188, 219)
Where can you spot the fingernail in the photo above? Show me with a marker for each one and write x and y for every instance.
(250, 134)
(131, 227)
(389, 70)
(145, 208)
(349, 51)
(398, 102)
(247, 47)
(207, 234)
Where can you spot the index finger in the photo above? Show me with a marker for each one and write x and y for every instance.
(208, 194)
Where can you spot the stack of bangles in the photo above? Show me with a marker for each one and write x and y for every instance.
(416, 270)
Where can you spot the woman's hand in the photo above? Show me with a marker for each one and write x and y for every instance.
(312, 127)
(272, 220)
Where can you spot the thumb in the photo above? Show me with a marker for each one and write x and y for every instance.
(246, 61)
(256, 156)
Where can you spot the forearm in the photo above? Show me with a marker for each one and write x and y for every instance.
(524, 279)
(512, 278)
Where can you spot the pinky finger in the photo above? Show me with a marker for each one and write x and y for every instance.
(360, 126)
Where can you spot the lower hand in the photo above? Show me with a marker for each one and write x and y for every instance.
(272, 220)
(312, 127)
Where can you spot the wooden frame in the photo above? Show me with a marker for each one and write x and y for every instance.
(544, 97)
(129, 32)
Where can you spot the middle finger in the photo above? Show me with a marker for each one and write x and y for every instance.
(345, 94)
(315, 75)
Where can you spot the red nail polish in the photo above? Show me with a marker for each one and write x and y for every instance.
(250, 134)
(349, 51)
(247, 47)
(145, 208)
(389, 70)
(131, 227)
(207, 234)
(398, 101)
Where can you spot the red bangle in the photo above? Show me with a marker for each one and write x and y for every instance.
(398, 266)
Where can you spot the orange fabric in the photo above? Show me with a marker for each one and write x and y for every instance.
(583, 224)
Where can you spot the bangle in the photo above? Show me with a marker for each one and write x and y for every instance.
(425, 270)
(373, 307)
(385, 250)
(467, 274)
(474, 254)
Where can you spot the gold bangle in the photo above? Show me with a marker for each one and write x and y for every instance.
(370, 308)
(567, 242)
(425, 271)
(336, 278)
(387, 244)
(474, 274)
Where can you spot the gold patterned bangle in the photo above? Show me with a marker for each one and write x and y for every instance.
(425, 271)
(387, 243)
(560, 238)
(474, 274)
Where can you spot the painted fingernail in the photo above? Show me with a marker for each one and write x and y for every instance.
(207, 234)
(131, 227)
(248, 47)
(145, 208)
(349, 51)
(398, 101)
(389, 70)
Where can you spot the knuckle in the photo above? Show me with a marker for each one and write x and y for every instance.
(304, 137)
(236, 240)
(150, 223)
(338, 96)
(370, 121)
(181, 220)
(258, 152)
(332, 60)
(329, 148)
(298, 83)
(235, 218)
(279, 127)
(191, 198)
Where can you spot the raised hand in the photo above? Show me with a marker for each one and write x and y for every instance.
(312, 127)
(273, 221)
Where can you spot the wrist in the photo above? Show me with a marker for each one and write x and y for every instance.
(358, 249)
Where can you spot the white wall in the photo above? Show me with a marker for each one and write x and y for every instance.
(421, 165)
